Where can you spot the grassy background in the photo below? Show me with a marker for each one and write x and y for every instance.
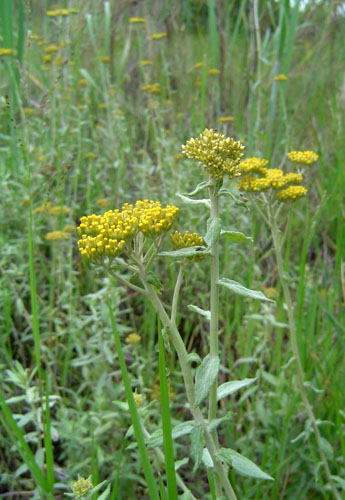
(76, 130)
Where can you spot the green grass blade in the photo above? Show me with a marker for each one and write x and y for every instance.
(6, 14)
(21, 31)
(166, 422)
(151, 483)
(18, 439)
(48, 443)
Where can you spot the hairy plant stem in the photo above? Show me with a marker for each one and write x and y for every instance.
(214, 323)
(277, 243)
(189, 385)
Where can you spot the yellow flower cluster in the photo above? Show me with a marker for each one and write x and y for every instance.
(61, 12)
(253, 165)
(82, 487)
(133, 338)
(280, 78)
(213, 72)
(57, 235)
(224, 119)
(6, 52)
(137, 20)
(52, 210)
(151, 88)
(108, 235)
(187, 240)
(287, 185)
(220, 155)
(158, 36)
(138, 399)
(306, 157)
(292, 193)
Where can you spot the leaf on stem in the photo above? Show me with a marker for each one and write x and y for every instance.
(199, 187)
(242, 464)
(236, 236)
(213, 232)
(184, 252)
(202, 312)
(231, 387)
(190, 201)
(205, 375)
(197, 445)
(239, 289)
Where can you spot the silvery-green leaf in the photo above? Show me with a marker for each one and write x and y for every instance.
(181, 463)
(156, 438)
(190, 201)
(194, 357)
(326, 448)
(239, 289)
(231, 387)
(213, 232)
(236, 236)
(207, 459)
(202, 312)
(185, 252)
(242, 464)
(197, 445)
(199, 187)
(206, 374)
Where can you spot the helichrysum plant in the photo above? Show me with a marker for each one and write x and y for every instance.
(126, 243)
(269, 190)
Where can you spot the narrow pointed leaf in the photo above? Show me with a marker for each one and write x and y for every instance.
(205, 376)
(190, 201)
(199, 187)
(230, 387)
(197, 445)
(202, 312)
(185, 252)
(239, 289)
(242, 464)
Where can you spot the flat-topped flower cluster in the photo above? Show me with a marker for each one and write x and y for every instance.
(113, 233)
(256, 177)
(219, 155)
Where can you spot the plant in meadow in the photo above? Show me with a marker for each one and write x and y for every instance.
(131, 239)
(269, 189)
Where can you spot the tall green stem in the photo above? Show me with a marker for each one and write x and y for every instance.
(189, 385)
(294, 345)
(214, 307)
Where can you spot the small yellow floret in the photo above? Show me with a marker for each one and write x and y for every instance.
(105, 59)
(306, 157)
(213, 72)
(138, 399)
(133, 338)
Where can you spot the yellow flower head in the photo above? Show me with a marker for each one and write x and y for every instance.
(57, 235)
(146, 63)
(305, 157)
(213, 72)
(187, 240)
(133, 338)
(224, 119)
(292, 193)
(105, 59)
(6, 52)
(107, 235)
(198, 65)
(158, 36)
(83, 82)
(280, 78)
(69, 228)
(90, 155)
(82, 487)
(138, 399)
(253, 165)
(220, 155)
(102, 202)
(151, 88)
(58, 210)
(137, 20)
(50, 49)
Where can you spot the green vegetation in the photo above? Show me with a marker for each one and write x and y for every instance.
(100, 369)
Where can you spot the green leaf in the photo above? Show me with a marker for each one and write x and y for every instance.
(185, 252)
(202, 312)
(242, 465)
(236, 287)
(213, 232)
(197, 445)
(207, 459)
(153, 279)
(340, 481)
(205, 375)
(182, 429)
(230, 387)
(199, 187)
(236, 236)
(89, 78)
(190, 201)
(193, 357)
(327, 448)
